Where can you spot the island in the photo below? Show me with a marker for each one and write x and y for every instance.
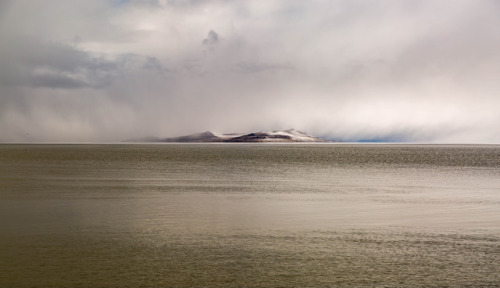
(290, 135)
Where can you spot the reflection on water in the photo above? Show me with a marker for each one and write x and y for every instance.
(249, 215)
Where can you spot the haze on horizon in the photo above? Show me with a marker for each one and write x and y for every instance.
(107, 70)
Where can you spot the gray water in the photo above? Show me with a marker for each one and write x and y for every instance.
(238, 215)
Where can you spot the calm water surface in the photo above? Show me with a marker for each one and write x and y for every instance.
(249, 215)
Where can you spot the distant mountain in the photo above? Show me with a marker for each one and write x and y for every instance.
(290, 135)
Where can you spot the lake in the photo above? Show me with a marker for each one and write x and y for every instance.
(252, 215)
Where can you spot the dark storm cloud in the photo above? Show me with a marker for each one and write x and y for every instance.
(345, 69)
(212, 38)
(28, 61)
(153, 64)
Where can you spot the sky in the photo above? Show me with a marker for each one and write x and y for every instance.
(384, 70)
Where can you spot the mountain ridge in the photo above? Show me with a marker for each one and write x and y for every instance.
(290, 135)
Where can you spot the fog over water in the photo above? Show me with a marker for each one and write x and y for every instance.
(348, 70)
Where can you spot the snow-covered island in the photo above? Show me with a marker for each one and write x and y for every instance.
(290, 135)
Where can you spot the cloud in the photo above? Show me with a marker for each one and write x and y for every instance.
(111, 70)
(37, 63)
(153, 64)
(212, 38)
(249, 67)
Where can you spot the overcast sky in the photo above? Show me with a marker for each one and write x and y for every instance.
(107, 70)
